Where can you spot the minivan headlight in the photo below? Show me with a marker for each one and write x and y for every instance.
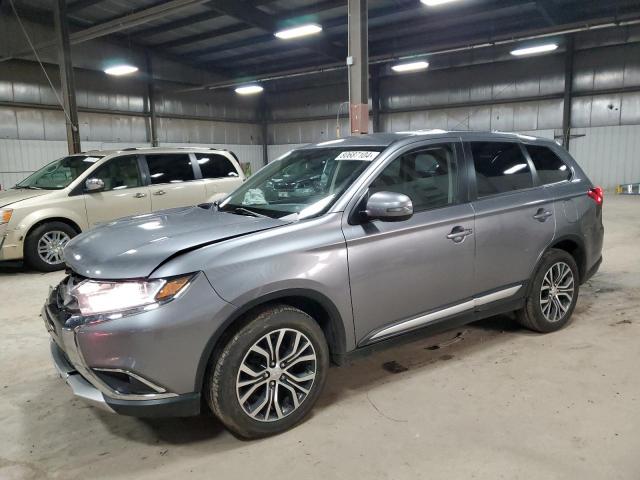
(96, 297)
(5, 215)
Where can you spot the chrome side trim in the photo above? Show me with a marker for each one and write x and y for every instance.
(424, 319)
(499, 295)
(445, 312)
(148, 383)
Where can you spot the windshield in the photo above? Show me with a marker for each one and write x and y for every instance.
(59, 173)
(300, 184)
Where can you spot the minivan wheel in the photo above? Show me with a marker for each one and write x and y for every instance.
(44, 245)
(553, 294)
(269, 375)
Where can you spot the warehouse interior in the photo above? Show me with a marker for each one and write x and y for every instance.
(488, 400)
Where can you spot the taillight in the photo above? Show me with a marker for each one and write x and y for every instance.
(597, 194)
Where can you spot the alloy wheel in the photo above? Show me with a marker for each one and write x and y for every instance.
(556, 293)
(276, 375)
(51, 246)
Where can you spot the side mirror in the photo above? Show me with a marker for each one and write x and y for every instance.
(93, 185)
(389, 207)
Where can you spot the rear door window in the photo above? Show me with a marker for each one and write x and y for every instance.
(213, 165)
(548, 165)
(501, 167)
(170, 168)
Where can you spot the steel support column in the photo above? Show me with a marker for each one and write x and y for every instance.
(263, 115)
(375, 98)
(151, 99)
(568, 93)
(66, 76)
(358, 62)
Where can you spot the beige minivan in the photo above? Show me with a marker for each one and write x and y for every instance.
(72, 194)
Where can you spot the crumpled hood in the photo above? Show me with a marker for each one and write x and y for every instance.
(133, 247)
(7, 197)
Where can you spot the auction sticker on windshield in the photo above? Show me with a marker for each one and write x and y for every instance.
(357, 155)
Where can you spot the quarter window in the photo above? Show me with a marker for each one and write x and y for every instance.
(500, 167)
(119, 173)
(427, 176)
(213, 165)
(548, 165)
(170, 168)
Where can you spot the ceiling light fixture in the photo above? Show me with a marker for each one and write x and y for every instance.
(410, 67)
(119, 70)
(548, 47)
(249, 89)
(435, 3)
(301, 31)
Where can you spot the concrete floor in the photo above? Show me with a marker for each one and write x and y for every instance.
(491, 401)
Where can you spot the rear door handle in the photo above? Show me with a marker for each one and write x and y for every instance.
(140, 195)
(542, 215)
(159, 192)
(458, 234)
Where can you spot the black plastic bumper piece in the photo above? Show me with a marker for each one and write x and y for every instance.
(186, 405)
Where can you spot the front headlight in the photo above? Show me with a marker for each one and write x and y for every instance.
(96, 297)
(5, 215)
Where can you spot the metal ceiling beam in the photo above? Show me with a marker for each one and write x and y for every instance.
(260, 19)
(289, 15)
(81, 4)
(549, 12)
(117, 25)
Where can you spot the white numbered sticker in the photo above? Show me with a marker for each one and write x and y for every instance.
(357, 155)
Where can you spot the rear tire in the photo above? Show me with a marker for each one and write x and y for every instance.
(269, 375)
(553, 293)
(44, 245)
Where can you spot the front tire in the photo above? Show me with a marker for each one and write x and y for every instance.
(553, 293)
(269, 375)
(44, 245)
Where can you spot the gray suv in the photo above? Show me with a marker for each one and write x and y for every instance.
(239, 306)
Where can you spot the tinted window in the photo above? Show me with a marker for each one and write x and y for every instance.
(215, 166)
(500, 167)
(548, 165)
(170, 168)
(119, 173)
(427, 176)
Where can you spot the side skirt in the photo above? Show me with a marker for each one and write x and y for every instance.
(497, 307)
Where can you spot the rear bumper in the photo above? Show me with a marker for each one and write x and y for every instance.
(593, 270)
(179, 406)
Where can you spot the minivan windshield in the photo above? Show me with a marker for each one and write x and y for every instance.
(300, 184)
(59, 173)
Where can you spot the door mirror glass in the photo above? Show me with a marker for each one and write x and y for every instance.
(94, 185)
(389, 207)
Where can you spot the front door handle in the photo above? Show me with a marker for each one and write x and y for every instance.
(140, 195)
(542, 215)
(159, 192)
(459, 233)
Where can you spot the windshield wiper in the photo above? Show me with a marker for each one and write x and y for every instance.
(27, 187)
(249, 212)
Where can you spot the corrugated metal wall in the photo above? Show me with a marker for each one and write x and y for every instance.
(609, 155)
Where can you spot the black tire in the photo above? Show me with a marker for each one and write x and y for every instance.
(532, 316)
(31, 256)
(224, 371)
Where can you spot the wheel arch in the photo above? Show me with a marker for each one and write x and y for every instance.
(315, 304)
(42, 221)
(574, 246)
